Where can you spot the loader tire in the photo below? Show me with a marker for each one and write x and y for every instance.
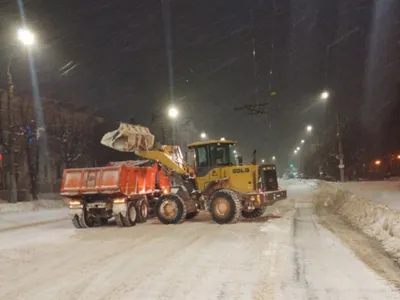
(191, 215)
(85, 221)
(142, 211)
(75, 222)
(256, 213)
(225, 207)
(170, 209)
(129, 219)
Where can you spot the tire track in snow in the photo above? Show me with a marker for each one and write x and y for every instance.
(298, 256)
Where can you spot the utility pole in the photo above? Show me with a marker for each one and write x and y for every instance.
(340, 147)
(12, 187)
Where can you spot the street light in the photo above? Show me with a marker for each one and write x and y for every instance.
(378, 162)
(26, 37)
(173, 112)
(298, 148)
(295, 151)
(222, 139)
(302, 141)
(309, 128)
(203, 135)
(234, 151)
(263, 161)
(273, 157)
(324, 95)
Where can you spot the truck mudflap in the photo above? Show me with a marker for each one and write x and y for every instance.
(266, 198)
(75, 208)
(120, 206)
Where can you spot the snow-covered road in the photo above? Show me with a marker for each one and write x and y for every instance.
(292, 257)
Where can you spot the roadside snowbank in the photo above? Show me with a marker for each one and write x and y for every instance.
(376, 220)
(381, 192)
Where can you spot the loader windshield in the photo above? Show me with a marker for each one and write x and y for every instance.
(217, 154)
(222, 154)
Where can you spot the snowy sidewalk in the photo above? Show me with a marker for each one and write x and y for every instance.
(380, 192)
(16, 220)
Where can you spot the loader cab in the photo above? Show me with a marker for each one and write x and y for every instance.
(209, 155)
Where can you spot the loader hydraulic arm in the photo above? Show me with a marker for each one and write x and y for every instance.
(165, 159)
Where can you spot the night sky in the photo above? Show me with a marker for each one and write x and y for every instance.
(119, 52)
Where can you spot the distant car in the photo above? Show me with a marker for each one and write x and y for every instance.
(328, 178)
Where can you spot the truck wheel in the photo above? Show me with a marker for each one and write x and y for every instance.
(118, 220)
(103, 221)
(141, 211)
(170, 209)
(225, 206)
(191, 215)
(75, 222)
(130, 218)
(255, 213)
(85, 220)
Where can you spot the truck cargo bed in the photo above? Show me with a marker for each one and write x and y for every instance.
(127, 180)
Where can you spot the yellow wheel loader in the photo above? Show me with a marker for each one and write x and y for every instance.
(210, 180)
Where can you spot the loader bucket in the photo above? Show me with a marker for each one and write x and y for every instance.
(129, 138)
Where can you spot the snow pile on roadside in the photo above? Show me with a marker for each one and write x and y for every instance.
(31, 205)
(376, 220)
(381, 192)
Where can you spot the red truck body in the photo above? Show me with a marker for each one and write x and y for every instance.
(124, 178)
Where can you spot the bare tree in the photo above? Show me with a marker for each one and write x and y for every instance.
(71, 135)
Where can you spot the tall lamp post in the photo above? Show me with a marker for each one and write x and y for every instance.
(26, 38)
(325, 96)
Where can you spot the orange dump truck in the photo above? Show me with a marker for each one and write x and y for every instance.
(124, 190)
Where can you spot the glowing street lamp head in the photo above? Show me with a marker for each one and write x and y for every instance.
(26, 37)
(173, 113)
(295, 151)
(378, 162)
(309, 128)
(273, 157)
(203, 135)
(324, 95)
(302, 141)
(298, 148)
(263, 161)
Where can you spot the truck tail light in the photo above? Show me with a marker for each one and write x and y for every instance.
(119, 200)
